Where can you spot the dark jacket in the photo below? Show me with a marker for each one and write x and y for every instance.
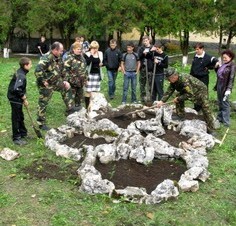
(17, 86)
(201, 65)
(112, 59)
(43, 46)
(163, 62)
(227, 79)
(143, 57)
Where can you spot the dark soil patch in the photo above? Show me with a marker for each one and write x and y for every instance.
(130, 173)
(123, 118)
(45, 169)
(79, 140)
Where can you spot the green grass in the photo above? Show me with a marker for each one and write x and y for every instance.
(26, 201)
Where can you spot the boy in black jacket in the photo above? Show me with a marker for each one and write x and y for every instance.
(17, 97)
(112, 59)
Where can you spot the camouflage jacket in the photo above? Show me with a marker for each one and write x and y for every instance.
(75, 70)
(189, 88)
(49, 69)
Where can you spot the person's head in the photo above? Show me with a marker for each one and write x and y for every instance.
(146, 41)
(42, 38)
(77, 39)
(94, 45)
(82, 38)
(171, 74)
(130, 47)
(57, 49)
(113, 43)
(159, 47)
(199, 48)
(77, 48)
(25, 63)
(227, 56)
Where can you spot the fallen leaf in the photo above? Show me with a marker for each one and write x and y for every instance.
(150, 215)
(12, 175)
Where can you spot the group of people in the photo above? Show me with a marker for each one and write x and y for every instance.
(78, 75)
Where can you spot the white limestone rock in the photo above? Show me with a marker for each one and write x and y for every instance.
(8, 154)
(106, 153)
(166, 190)
(188, 185)
(123, 150)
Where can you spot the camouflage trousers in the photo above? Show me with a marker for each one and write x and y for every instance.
(45, 94)
(77, 94)
(203, 102)
(143, 83)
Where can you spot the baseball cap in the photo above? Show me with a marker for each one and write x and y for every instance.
(169, 71)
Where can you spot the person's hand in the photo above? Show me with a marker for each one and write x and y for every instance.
(176, 100)
(227, 92)
(66, 84)
(39, 47)
(25, 102)
(156, 61)
(45, 83)
(160, 103)
(153, 48)
(217, 64)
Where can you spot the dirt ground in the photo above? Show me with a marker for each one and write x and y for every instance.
(130, 173)
(124, 172)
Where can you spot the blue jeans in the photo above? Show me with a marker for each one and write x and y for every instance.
(111, 82)
(129, 76)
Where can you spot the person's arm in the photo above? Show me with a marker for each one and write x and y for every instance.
(231, 78)
(164, 62)
(40, 71)
(138, 67)
(170, 90)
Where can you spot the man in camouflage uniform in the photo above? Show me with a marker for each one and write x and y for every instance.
(189, 88)
(75, 72)
(49, 79)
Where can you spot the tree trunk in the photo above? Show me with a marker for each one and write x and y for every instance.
(141, 38)
(184, 44)
(119, 34)
(230, 36)
(220, 40)
(27, 44)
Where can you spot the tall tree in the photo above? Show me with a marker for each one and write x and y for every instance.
(225, 20)
(5, 21)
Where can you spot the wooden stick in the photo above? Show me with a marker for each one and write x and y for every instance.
(224, 137)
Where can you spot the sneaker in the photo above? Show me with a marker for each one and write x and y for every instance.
(134, 102)
(111, 97)
(44, 127)
(20, 142)
(123, 103)
(27, 137)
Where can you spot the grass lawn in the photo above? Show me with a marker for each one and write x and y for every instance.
(29, 201)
